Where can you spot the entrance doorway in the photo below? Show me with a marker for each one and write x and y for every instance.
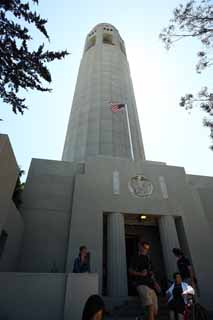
(147, 230)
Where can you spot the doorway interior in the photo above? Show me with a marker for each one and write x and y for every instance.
(145, 228)
(135, 229)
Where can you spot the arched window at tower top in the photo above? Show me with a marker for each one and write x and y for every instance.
(90, 42)
(107, 38)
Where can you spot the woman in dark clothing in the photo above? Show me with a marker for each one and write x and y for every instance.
(94, 308)
(81, 263)
(177, 297)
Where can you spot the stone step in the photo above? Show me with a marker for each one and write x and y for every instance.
(130, 308)
(133, 318)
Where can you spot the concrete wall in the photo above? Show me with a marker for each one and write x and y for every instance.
(94, 195)
(8, 176)
(14, 227)
(78, 289)
(10, 218)
(204, 187)
(46, 210)
(43, 296)
(31, 296)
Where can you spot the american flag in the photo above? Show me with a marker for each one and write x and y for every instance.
(115, 107)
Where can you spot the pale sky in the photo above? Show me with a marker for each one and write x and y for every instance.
(170, 134)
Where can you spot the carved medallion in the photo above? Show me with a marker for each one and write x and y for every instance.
(140, 186)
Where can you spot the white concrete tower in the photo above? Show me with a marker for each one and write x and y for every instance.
(103, 78)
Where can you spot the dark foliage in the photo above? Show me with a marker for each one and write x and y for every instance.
(195, 20)
(17, 195)
(21, 68)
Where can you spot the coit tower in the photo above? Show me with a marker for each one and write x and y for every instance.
(103, 87)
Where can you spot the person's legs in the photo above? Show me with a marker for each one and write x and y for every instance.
(171, 315)
(155, 301)
(146, 297)
(180, 316)
(151, 312)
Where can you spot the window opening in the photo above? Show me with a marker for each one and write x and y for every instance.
(91, 42)
(107, 38)
(3, 239)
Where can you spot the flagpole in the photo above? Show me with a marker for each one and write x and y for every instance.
(129, 131)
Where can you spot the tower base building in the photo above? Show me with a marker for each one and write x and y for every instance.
(103, 194)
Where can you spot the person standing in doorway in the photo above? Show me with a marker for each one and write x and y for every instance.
(184, 267)
(82, 263)
(142, 277)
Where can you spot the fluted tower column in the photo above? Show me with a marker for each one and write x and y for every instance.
(116, 256)
(103, 77)
(169, 240)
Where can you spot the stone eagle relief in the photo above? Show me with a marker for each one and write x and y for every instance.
(140, 186)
